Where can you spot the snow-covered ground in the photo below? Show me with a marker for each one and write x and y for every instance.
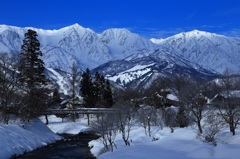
(182, 144)
(67, 126)
(16, 139)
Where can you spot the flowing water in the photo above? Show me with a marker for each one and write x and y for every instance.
(71, 147)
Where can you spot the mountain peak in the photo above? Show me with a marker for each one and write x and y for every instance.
(77, 27)
(198, 33)
(195, 33)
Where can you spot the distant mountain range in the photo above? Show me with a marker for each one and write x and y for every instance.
(120, 54)
(61, 48)
(212, 51)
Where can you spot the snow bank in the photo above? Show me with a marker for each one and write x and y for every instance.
(16, 139)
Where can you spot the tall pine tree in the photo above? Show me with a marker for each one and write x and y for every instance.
(31, 75)
(108, 95)
(96, 89)
(31, 65)
(86, 89)
(97, 93)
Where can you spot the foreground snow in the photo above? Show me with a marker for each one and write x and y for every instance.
(16, 139)
(182, 144)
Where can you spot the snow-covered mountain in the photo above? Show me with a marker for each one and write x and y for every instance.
(140, 70)
(209, 50)
(61, 48)
(129, 55)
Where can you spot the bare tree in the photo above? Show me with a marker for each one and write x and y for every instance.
(74, 83)
(213, 126)
(229, 106)
(106, 126)
(170, 117)
(180, 86)
(41, 95)
(146, 117)
(124, 113)
(8, 84)
(195, 99)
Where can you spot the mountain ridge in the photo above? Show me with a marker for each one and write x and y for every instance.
(88, 49)
(209, 50)
(74, 44)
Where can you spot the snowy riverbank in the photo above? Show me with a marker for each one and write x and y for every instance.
(16, 139)
(182, 144)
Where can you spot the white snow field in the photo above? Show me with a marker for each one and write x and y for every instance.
(182, 144)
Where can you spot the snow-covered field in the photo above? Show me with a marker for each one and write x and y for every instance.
(15, 139)
(182, 144)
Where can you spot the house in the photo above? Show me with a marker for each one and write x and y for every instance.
(231, 97)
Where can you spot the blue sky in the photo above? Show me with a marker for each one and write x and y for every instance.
(149, 18)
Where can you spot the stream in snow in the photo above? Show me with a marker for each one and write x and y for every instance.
(72, 146)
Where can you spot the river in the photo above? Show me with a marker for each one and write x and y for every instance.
(70, 147)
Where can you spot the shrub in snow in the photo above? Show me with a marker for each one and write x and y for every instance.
(107, 128)
(146, 117)
(124, 117)
(170, 117)
(213, 127)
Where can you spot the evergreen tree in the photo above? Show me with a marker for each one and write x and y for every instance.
(105, 93)
(86, 89)
(96, 88)
(97, 93)
(108, 95)
(31, 66)
(31, 75)
(56, 96)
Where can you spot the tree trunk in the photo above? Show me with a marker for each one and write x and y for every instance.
(46, 119)
(199, 126)
(232, 130)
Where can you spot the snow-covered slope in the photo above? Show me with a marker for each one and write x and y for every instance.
(61, 48)
(139, 70)
(122, 43)
(209, 50)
